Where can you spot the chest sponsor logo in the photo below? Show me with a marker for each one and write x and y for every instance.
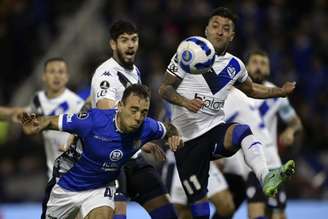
(116, 155)
(210, 102)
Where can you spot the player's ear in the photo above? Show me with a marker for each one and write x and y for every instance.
(119, 106)
(206, 31)
(112, 44)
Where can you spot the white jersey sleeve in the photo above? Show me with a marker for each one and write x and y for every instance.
(285, 110)
(174, 69)
(243, 72)
(103, 87)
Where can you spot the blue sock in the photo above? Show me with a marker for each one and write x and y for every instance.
(201, 210)
(119, 216)
(164, 212)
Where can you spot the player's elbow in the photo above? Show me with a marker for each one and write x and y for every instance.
(162, 90)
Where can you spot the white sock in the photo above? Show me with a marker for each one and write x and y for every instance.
(254, 156)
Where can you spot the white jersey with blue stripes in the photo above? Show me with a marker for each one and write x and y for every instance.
(271, 108)
(110, 80)
(242, 109)
(67, 102)
(212, 87)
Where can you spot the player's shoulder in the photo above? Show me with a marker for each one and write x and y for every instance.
(231, 60)
(72, 95)
(99, 117)
(106, 68)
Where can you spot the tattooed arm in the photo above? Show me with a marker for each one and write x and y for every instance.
(260, 91)
(168, 91)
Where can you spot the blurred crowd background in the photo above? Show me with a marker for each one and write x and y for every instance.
(295, 35)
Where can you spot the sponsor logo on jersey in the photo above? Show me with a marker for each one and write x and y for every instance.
(116, 155)
(231, 71)
(101, 93)
(82, 115)
(106, 73)
(104, 85)
(109, 166)
(210, 102)
(173, 68)
(69, 117)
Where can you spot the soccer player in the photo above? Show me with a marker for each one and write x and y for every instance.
(55, 99)
(258, 66)
(143, 183)
(110, 138)
(197, 112)
(241, 109)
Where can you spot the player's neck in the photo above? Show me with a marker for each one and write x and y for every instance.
(122, 64)
(53, 94)
(118, 125)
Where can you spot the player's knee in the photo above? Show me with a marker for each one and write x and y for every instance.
(239, 132)
(223, 203)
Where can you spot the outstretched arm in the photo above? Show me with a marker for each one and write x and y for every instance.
(32, 124)
(260, 91)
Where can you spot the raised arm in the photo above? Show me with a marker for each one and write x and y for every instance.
(260, 91)
(168, 91)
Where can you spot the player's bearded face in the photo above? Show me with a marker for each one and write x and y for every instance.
(220, 32)
(133, 112)
(258, 67)
(125, 49)
(55, 76)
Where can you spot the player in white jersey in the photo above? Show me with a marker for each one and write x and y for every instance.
(198, 114)
(55, 99)
(143, 183)
(258, 66)
(241, 109)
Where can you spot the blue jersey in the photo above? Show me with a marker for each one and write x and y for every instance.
(105, 148)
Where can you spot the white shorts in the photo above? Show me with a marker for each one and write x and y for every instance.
(216, 183)
(65, 204)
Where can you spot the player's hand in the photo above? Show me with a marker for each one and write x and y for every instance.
(287, 137)
(288, 88)
(194, 105)
(175, 142)
(30, 124)
(155, 150)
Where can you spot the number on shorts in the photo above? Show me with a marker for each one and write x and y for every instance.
(193, 180)
(108, 193)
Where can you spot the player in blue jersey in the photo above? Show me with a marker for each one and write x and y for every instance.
(202, 125)
(110, 138)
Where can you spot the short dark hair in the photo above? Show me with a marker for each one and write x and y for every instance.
(224, 12)
(53, 59)
(139, 90)
(122, 26)
(256, 52)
